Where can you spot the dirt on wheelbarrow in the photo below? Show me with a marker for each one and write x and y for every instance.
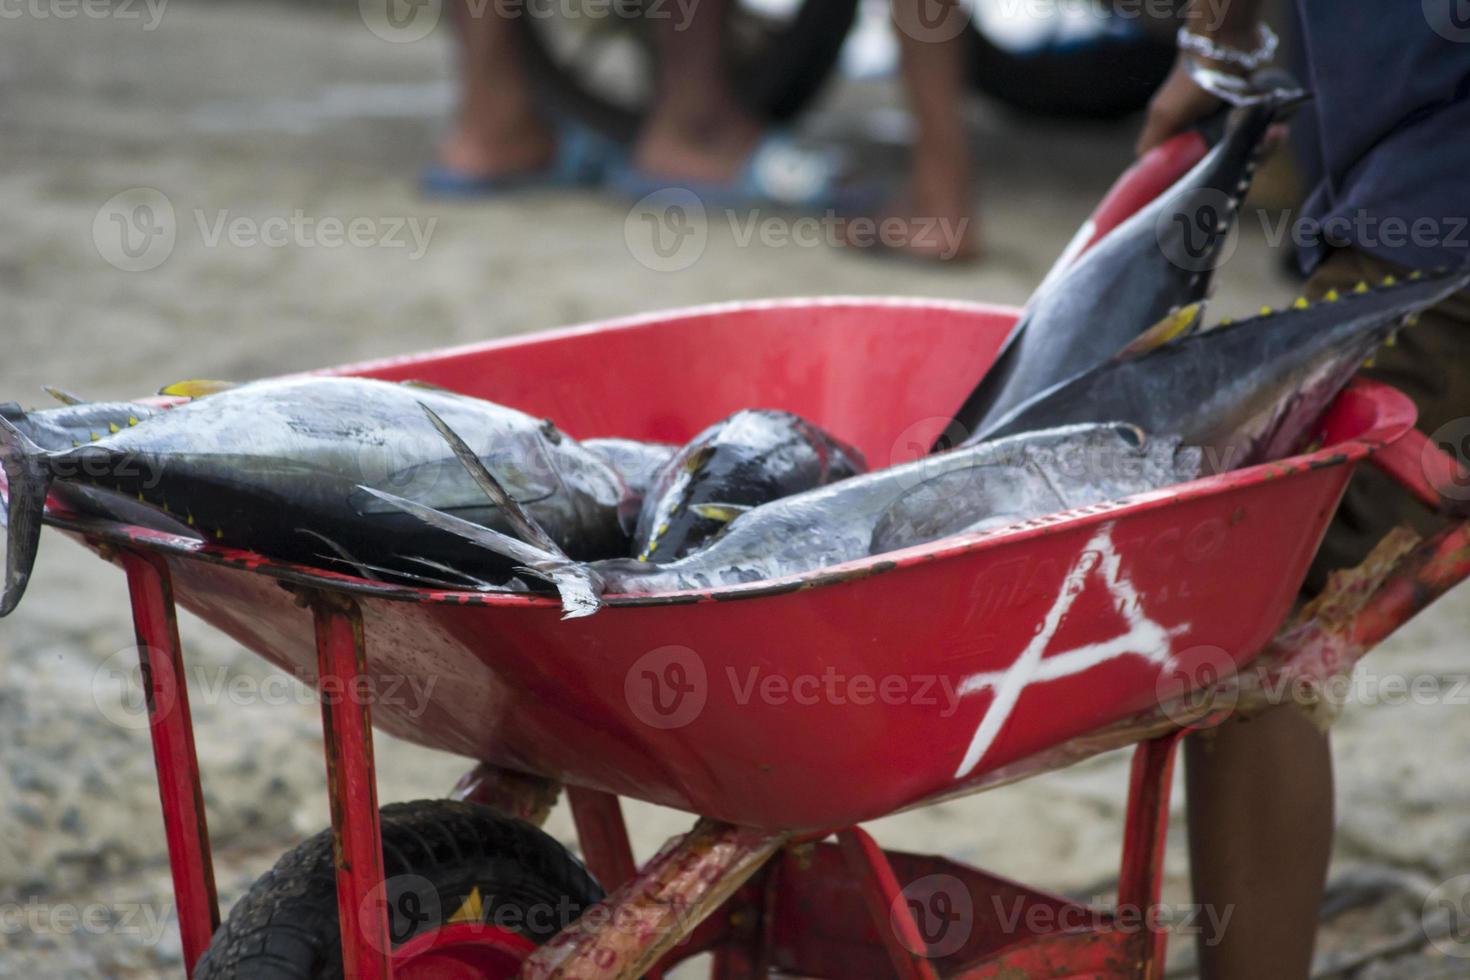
(273, 151)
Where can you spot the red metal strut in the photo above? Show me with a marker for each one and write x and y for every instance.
(357, 841)
(172, 732)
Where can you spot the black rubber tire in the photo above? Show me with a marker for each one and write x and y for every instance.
(435, 852)
(776, 85)
(1102, 81)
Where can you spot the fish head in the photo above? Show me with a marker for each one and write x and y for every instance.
(750, 458)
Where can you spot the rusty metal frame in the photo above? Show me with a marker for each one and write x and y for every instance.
(603, 836)
(357, 841)
(725, 869)
(171, 728)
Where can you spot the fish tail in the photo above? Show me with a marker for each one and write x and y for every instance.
(1283, 93)
(577, 582)
(28, 476)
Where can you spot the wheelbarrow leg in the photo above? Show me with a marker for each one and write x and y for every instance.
(1144, 837)
(623, 936)
(891, 914)
(603, 836)
(172, 731)
(357, 842)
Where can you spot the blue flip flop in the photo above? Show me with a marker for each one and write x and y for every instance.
(583, 158)
(779, 171)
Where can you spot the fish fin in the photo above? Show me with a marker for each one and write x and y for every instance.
(426, 386)
(29, 480)
(196, 388)
(522, 522)
(724, 513)
(1176, 324)
(464, 577)
(364, 568)
(1411, 297)
(697, 459)
(366, 571)
(63, 396)
(579, 585)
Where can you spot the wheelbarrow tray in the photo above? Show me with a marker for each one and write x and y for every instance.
(828, 698)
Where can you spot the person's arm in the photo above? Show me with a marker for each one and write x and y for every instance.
(1180, 102)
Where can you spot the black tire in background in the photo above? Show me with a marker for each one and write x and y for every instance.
(778, 68)
(435, 852)
(1106, 77)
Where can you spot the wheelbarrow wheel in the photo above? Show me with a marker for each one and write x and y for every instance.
(603, 70)
(464, 885)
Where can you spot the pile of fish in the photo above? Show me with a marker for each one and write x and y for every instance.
(1109, 386)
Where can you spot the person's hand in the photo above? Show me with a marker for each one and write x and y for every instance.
(1178, 104)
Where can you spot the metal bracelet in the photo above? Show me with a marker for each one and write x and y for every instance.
(1204, 47)
(1234, 89)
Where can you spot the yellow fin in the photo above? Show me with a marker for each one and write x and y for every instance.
(698, 458)
(1301, 303)
(724, 513)
(1331, 297)
(471, 910)
(1390, 281)
(65, 397)
(195, 389)
(112, 427)
(1179, 323)
(1361, 287)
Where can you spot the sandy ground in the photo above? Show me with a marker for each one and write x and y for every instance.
(251, 112)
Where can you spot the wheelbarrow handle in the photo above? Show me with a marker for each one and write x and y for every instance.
(1436, 478)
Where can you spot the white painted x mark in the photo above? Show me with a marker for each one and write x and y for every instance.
(1144, 638)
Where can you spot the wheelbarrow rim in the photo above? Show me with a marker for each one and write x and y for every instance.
(1395, 416)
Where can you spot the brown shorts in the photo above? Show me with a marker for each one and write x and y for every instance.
(1431, 364)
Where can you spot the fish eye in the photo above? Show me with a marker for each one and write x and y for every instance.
(1135, 437)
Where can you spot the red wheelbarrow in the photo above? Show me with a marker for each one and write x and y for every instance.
(783, 712)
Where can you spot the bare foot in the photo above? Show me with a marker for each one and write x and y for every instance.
(710, 146)
(498, 148)
(934, 219)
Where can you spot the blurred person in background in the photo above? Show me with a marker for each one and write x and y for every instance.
(1392, 87)
(698, 135)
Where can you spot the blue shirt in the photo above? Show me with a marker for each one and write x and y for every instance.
(1392, 86)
